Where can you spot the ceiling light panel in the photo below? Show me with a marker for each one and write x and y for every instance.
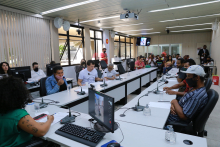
(185, 6)
(190, 25)
(146, 33)
(100, 19)
(136, 30)
(68, 6)
(192, 30)
(124, 25)
(190, 17)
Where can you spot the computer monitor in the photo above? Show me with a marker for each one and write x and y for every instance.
(23, 72)
(101, 108)
(50, 67)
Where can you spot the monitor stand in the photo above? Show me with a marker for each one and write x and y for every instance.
(101, 128)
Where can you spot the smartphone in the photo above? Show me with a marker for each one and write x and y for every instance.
(40, 116)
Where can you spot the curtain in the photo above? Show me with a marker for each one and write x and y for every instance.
(24, 39)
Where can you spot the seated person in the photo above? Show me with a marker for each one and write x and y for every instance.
(5, 68)
(56, 82)
(88, 74)
(139, 64)
(109, 73)
(208, 61)
(193, 101)
(151, 61)
(168, 64)
(180, 65)
(184, 84)
(177, 57)
(36, 73)
(17, 126)
(52, 62)
(82, 66)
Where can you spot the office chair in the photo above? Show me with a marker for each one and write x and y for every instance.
(43, 91)
(196, 127)
(99, 73)
(36, 142)
(208, 83)
(121, 69)
(103, 65)
(131, 66)
(77, 76)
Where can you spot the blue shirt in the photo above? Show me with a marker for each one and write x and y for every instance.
(51, 85)
(191, 102)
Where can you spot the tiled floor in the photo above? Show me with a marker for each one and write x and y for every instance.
(212, 125)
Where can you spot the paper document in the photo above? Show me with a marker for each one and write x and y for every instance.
(164, 105)
(79, 90)
(121, 77)
(57, 117)
(29, 82)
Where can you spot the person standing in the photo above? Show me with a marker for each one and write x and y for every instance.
(164, 53)
(203, 53)
(104, 56)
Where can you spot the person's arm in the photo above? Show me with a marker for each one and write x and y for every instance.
(80, 82)
(174, 86)
(98, 79)
(29, 125)
(207, 52)
(102, 56)
(170, 92)
(43, 74)
(178, 109)
(50, 89)
(199, 52)
(179, 80)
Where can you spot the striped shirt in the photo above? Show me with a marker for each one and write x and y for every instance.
(192, 103)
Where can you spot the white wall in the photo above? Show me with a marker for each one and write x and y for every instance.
(55, 43)
(189, 42)
(215, 51)
(87, 44)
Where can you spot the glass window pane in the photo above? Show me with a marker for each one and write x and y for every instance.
(98, 48)
(122, 50)
(63, 48)
(122, 39)
(142, 50)
(72, 31)
(176, 49)
(75, 38)
(61, 31)
(127, 40)
(165, 47)
(132, 51)
(116, 38)
(92, 48)
(91, 33)
(98, 34)
(154, 49)
(132, 40)
(76, 51)
(116, 49)
(128, 50)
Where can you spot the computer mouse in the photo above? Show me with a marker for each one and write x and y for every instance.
(113, 145)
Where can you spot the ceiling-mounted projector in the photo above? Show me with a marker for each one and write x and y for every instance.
(129, 16)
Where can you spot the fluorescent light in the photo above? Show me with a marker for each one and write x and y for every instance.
(190, 25)
(192, 30)
(100, 19)
(69, 6)
(136, 30)
(124, 25)
(145, 33)
(189, 18)
(185, 6)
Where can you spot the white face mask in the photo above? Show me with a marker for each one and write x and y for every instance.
(202, 57)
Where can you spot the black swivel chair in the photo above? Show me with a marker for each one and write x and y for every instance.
(99, 73)
(121, 69)
(208, 83)
(132, 66)
(43, 91)
(197, 126)
(103, 65)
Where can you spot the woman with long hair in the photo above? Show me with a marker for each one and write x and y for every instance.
(5, 68)
(168, 64)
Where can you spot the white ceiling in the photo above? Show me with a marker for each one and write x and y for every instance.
(108, 8)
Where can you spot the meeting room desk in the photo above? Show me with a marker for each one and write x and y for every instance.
(134, 136)
(118, 89)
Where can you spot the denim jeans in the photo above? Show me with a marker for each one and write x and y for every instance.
(166, 69)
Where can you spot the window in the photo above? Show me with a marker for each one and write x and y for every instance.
(176, 49)
(71, 45)
(123, 47)
(96, 44)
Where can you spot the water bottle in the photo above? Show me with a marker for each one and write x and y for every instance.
(68, 87)
(147, 111)
(128, 74)
(170, 135)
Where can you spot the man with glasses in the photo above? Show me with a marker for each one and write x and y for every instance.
(109, 73)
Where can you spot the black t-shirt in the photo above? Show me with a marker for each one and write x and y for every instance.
(63, 87)
(159, 63)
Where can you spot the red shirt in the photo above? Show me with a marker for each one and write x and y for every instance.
(139, 64)
(187, 86)
(103, 55)
(165, 54)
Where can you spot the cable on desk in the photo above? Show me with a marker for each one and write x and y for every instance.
(121, 132)
(125, 111)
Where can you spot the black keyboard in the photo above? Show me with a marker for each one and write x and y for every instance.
(80, 134)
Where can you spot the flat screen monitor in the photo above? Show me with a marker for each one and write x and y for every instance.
(143, 41)
(23, 72)
(50, 67)
(101, 108)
